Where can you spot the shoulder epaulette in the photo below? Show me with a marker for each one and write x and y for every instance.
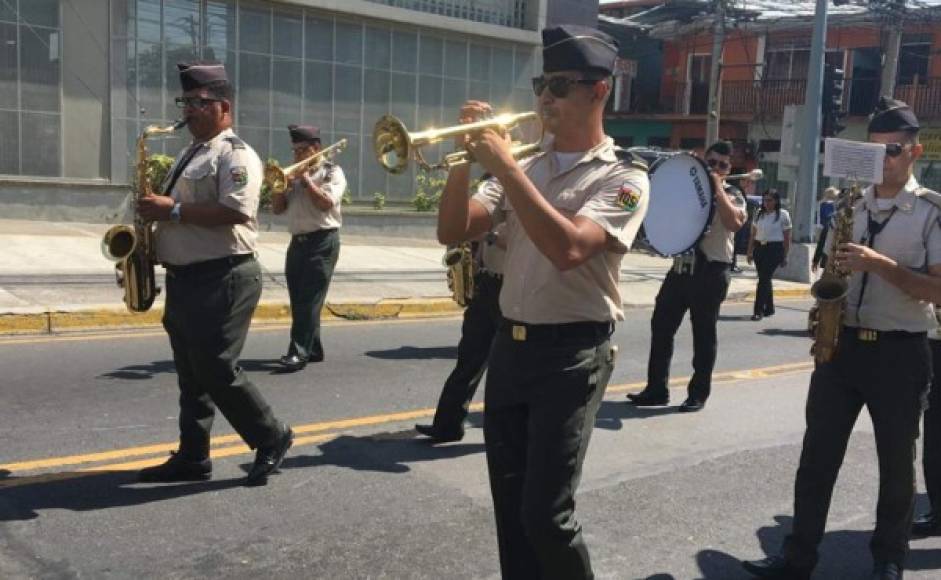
(631, 158)
(236, 142)
(929, 195)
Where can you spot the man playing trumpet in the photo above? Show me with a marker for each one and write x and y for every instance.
(312, 202)
(571, 213)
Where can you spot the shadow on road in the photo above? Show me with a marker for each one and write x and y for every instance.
(414, 352)
(611, 415)
(94, 491)
(798, 332)
(141, 371)
(383, 452)
(843, 554)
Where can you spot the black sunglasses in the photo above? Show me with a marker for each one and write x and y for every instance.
(722, 165)
(560, 87)
(895, 149)
(195, 102)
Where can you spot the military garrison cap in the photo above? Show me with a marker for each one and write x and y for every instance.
(891, 115)
(200, 74)
(573, 47)
(302, 133)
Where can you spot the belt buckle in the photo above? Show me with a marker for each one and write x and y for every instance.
(519, 332)
(867, 335)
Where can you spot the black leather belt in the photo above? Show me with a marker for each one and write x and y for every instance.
(872, 335)
(763, 243)
(521, 331)
(312, 235)
(491, 274)
(225, 263)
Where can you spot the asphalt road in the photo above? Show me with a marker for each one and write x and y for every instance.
(664, 495)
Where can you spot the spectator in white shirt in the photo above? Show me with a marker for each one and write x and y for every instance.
(768, 246)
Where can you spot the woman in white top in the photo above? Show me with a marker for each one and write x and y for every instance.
(769, 243)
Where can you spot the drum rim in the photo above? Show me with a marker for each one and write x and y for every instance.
(712, 202)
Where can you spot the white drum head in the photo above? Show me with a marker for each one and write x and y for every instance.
(681, 202)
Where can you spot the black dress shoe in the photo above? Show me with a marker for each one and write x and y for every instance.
(292, 363)
(691, 405)
(886, 571)
(776, 568)
(177, 468)
(756, 317)
(927, 525)
(645, 399)
(269, 458)
(440, 435)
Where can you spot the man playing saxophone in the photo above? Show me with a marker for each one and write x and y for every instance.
(312, 202)
(206, 235)
(882, 358)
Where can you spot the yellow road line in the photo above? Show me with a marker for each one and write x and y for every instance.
(222, 444)
(230, 451)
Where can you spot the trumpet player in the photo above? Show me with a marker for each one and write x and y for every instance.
(571, 213)
(312, 203)
(882, 357)
(206, 236)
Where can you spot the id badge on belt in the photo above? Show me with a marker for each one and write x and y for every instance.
(684, 263)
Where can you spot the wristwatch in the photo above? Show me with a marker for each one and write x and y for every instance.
(490, 238)
(175, 213)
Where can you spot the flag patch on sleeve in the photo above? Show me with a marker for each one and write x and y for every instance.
(628, 198)
(239, 175)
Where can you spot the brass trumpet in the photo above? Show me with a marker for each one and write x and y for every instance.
(277, 178)
(395, 146)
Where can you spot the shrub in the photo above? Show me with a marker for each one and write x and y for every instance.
(378, 200)
(428, 194)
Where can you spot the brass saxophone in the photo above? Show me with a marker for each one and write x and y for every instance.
(825, 319)
(133, 246)
(461, 270)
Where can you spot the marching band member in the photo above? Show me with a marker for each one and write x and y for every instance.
(697, 282)
(312, 203)
(883, 360)
(206, 236)
(571, 213)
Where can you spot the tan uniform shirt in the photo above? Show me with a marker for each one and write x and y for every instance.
(601, 187)
(718, 243)
(912, 237)
(223, 170)
(303, 216)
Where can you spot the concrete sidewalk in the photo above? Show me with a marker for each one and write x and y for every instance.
(53, 278)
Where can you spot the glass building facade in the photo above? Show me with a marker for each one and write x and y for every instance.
(79, 79)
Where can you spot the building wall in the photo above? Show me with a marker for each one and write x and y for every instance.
(584, 12)
(79, 79)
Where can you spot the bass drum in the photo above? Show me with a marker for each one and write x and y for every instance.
(682, 199)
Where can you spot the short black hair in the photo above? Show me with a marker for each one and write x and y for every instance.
(720, 147)
(221, 90)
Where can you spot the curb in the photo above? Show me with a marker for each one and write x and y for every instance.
(56, 321)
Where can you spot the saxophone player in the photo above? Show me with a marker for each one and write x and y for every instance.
(882, 359)
(206, 235)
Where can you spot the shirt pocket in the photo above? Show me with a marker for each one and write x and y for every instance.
(200, 182)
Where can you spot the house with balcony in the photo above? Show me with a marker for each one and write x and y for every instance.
(764, 65)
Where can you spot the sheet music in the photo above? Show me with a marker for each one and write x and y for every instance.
(853, 160)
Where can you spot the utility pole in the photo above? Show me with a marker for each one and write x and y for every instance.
(715, 94)
(806, 195)
(890, 66)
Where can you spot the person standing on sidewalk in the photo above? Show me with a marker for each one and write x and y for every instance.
(883, 360)
(312, 203)
(206, 234)
(572, 212)
(768, 245)
(699, 283)
(481, 319)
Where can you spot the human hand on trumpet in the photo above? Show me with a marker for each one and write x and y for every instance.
(491, 147)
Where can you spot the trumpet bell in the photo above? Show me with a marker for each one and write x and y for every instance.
(118, 243)
(392, 144)
(275, 178)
